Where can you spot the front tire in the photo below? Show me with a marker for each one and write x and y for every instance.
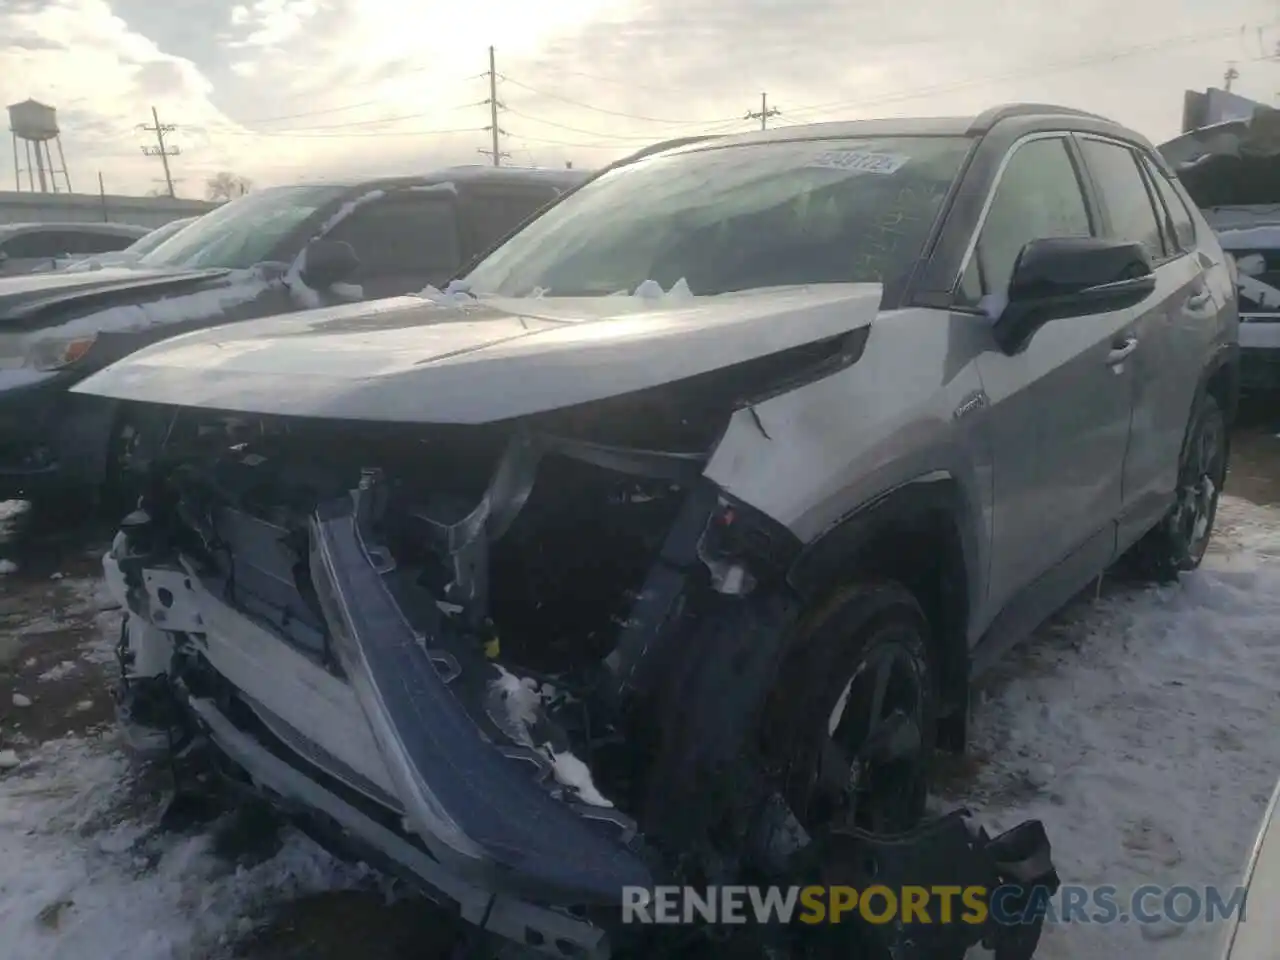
(852, 719)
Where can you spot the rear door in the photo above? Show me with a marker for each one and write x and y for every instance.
(1059, 407)
(405, 240)
(1169, 327)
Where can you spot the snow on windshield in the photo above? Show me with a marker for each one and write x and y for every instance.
(735, 218)
(243, 232)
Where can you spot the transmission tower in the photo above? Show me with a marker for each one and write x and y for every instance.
(495, 151)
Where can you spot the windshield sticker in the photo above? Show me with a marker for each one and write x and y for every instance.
(859, 161)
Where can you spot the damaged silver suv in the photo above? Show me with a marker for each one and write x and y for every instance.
(662, 546)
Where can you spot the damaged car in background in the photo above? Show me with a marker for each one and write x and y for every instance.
(662, 545)
(269, 252)
(1231, 170)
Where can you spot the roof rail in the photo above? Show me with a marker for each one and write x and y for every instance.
(989, 118)
(662, 147)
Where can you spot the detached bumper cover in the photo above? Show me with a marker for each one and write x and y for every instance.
(473, 807)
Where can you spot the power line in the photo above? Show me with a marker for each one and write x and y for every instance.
(161, 151)
(347, 123)
(1036, 71)
(307, 132)
(647, 138)
(764, 113)
(612, 113)
(665, 91)
(721, 129)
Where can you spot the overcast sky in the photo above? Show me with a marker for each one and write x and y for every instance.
(283, 90)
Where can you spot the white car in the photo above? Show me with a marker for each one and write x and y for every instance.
(132, 253)
(1253, 936)
(35, 247)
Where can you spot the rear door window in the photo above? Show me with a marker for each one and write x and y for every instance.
(1180, 222)
(1128, 204)
(404, 240)
(36, 244)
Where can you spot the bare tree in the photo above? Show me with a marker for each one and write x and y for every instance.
(227, 186)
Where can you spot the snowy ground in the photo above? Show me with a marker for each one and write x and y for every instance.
(1137, 726)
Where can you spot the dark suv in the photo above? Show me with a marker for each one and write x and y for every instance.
(269, 252)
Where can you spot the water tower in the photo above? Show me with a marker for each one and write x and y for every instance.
(35, 126)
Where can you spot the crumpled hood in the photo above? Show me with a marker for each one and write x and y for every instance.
(408, 359)
(1229, 164)
(28, 299)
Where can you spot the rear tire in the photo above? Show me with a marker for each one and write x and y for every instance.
(1178, 543)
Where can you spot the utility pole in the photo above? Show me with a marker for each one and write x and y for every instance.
(494, 106)
(1230, 77)
(764, 113)
(161, 151)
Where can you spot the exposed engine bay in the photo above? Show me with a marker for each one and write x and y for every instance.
(496, 629)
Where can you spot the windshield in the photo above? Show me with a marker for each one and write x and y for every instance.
(156, 237)
(737, 218)
(244, 231)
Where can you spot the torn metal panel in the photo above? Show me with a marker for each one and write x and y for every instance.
(467, 802)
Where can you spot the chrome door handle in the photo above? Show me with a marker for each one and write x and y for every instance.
(1199, 299)
(1118, 354)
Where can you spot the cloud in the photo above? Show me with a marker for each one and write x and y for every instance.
(300, 89)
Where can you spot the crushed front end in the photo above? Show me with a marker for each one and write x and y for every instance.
(450, 651)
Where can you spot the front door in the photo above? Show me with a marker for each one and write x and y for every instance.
(1059, 408)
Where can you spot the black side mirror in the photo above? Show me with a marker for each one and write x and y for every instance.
(328, 262)
(1066, 277)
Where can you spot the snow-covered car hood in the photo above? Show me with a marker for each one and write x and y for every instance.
(26, 296)
(409, 359)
